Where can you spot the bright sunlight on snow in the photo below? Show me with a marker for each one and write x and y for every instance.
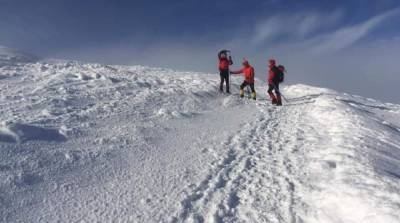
(94, 143)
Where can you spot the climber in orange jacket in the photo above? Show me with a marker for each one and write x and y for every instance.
(248, 73)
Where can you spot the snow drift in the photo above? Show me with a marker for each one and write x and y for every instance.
(89, 142)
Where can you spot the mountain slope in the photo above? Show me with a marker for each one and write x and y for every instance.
(87, 142)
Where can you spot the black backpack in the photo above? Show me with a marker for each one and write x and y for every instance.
(280, 73)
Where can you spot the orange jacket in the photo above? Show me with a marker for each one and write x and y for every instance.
(248, 72)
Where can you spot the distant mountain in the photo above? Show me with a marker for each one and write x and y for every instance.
(12, 56)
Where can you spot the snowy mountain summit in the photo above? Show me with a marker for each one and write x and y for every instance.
(88, 142)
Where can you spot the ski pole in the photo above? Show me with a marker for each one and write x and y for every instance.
(284, 97)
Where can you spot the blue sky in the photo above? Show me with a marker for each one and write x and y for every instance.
(351, 46)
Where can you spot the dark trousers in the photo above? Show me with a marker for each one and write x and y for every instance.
(244, 84)
(224, 74)
(275, 87)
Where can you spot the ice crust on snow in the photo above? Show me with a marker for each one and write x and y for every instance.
(91, 142)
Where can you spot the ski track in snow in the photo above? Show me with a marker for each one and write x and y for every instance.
(94, 143)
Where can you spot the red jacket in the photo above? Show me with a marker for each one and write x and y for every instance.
(224, 64)
(248, 72)
(272, 74)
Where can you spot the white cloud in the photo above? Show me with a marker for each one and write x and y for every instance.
(293, 25)
(347, 36)
(314, 32)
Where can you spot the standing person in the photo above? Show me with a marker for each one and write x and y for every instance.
(274, 78)
(224, 63)
(248, 73)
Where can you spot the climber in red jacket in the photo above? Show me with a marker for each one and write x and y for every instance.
(273, 82)
(248, 73)
(223, 66)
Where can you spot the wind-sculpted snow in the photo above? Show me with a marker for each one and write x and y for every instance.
(19, 133)
(94, 143)
(353, 152)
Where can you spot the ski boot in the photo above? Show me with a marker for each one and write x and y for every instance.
(279, 100)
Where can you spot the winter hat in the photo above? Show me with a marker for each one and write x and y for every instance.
(272, 62)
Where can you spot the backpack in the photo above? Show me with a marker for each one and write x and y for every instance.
(280, 73)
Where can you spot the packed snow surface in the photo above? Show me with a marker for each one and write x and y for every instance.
(94, 143)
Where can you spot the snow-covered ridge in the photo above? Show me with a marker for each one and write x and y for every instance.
(354, 157)
(91, 142)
